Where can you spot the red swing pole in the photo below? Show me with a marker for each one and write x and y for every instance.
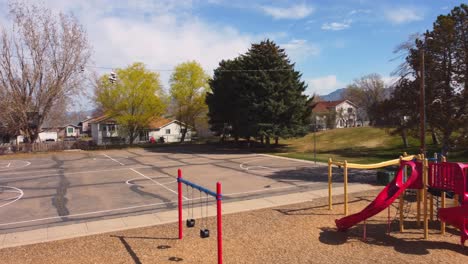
(219, 222)
(179, 188)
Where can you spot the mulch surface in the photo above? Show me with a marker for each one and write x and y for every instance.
(300, 233)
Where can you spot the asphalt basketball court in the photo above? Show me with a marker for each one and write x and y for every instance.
(63, 188)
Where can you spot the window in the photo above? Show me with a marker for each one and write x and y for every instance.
(168, 131)
(70, 130)
(350, 110)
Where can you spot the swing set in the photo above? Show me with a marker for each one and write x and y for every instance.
(190, 221)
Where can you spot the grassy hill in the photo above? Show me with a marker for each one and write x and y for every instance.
(358, 144)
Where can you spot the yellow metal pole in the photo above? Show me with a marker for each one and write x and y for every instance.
(442, 205)
(426, 222)
(330, 202)
(345, 187)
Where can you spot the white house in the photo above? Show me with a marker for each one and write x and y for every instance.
(104, 130)
(170, 130)
(344, 113)
(44, 136)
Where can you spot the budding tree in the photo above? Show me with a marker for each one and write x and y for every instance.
(42, 56)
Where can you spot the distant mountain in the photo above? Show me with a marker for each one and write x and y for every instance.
(333, 96)
(338, 94)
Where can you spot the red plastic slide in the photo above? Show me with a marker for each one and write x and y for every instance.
(458, 217)
(385, 197)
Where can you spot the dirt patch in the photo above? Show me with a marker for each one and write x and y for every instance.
(300, 233)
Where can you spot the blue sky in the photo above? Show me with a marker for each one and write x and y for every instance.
(332, 42)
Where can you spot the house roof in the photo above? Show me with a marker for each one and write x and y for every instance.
(325, 106)
(100, 119)
(159, 123)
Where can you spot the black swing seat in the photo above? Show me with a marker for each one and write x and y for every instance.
(204, 233)
(190, 223)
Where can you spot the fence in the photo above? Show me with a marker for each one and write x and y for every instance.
(43, 147)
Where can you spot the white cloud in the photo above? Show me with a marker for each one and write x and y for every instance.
(157, 34)
(402, 15)
(323, 85)
(336, 26)
(300, 49)
(298, 11)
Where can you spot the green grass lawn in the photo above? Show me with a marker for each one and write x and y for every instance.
(359, 144)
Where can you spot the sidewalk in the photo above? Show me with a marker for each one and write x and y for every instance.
(130, 222)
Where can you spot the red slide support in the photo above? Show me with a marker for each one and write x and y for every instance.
(385, 197)
(453, 177)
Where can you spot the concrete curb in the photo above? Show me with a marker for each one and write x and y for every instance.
(129, 222)
(298, 160)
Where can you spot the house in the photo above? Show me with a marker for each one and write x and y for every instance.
(46, 135)
(170, 130)
(105, 130)
(85, 127)
(69, 131)
(335, 114)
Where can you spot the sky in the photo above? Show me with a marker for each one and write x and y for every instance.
(331, 42)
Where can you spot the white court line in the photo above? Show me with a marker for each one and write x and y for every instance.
(114, 159)
(21, 193)
(6, 169)
(65, 173)
(169, 189)
(88, 213)
(7, 166)
(129, 182)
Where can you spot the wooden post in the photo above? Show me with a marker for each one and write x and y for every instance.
(400, 206)
(442, 205)
(426, 222)
(345, 182)
(401, 203)
(455, 200)
(330, 202)
(418, 207)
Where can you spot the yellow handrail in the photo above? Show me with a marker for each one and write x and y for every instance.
(374, 165)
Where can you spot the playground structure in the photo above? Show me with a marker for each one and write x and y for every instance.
(427, 178)
(347, 166)
(190, 222)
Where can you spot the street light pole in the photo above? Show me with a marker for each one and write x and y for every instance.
(315, 142)
(422, 103)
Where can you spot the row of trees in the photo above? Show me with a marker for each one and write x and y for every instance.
(136, 97)
(258, 95)
(445, 51)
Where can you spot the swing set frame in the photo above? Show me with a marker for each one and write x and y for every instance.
(217, 195)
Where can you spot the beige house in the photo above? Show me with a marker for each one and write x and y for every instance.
(335, 114)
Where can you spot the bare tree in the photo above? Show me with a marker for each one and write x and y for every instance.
(42, 57)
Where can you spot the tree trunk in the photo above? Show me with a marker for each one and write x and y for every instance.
(276, 141)
(446, 142)
(404, 137)
(267, 140)
(435, 139)
(262, 140)
(184, 132)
